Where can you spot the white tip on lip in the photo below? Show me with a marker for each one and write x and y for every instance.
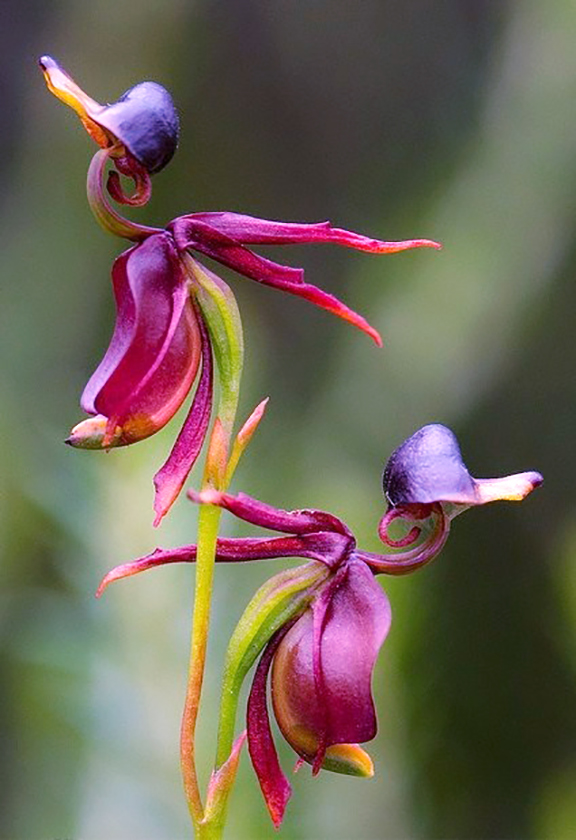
(512, 488)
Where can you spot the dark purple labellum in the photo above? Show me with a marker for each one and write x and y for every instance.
(145, 120)
(427, 468)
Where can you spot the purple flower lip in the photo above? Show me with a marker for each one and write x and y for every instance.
(144, 119)
(428, 468)
(146, 122)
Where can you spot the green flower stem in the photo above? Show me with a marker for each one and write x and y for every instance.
(281, 598)
(208, 522)
(105, 214)
(222, 317)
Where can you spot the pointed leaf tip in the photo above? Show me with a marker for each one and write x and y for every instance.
(221, 782)
(251, 424)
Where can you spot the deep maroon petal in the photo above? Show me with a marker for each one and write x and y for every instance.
(322, 547)
(189, 232)
(253, 231)
(356, 624)
(123, 333)
(170, 478)
(155, 350)
(274, 785)
(322, 671)
(196, 234)
(265, 516)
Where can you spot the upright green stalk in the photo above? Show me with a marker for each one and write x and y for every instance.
(221, 314)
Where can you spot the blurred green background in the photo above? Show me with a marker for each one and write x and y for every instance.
(450, 119)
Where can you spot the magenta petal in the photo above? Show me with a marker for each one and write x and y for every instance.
(274, 785)
(325, 301)
(155, 350)
(356, 624)
(189, 232)
(200, 236)
(253, 231)
(322, 547)
(170, 478)
(122, 336)
(321, 681)
(265, 516)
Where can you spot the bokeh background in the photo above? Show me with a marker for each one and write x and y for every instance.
(450, 119)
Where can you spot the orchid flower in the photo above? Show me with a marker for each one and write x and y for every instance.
(318, 628)
(163, 339)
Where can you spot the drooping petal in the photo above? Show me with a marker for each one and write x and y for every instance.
(170, 478)
(274, 785)
(428, 468)
(321, 679)
(155, 349)
(198, 235)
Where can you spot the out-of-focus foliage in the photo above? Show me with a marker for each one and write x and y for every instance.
(450, 120)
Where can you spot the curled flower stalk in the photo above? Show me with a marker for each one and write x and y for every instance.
(316, 630)
(178, 328)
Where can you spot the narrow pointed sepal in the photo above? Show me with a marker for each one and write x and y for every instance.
(221, 782)
(243, 438)
(275, 787)
(170, 478)
(224, 237)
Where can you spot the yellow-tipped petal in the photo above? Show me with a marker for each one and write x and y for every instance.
(90, 434)
(65, 88)
(349, 759)
(512, 488)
